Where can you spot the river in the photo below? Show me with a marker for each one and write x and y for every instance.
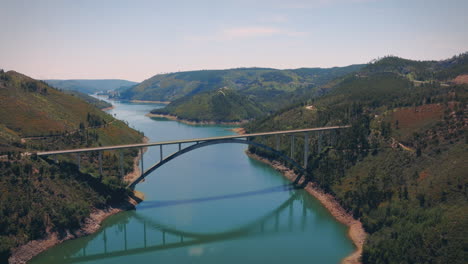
(211, 205)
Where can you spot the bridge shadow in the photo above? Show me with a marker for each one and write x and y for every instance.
(167, 203)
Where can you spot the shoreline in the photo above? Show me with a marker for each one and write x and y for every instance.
(189, 122)
(356, 231)
(91, 224)
(149, 102)
(108, 108)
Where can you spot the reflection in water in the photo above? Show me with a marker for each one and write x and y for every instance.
(290, 216)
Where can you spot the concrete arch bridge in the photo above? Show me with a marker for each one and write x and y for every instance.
(188, 145)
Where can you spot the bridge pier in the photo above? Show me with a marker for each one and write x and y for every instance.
(160, 153)
(100, 163)
(142, 169)
(306, 150)
(121, 164)
(180, 146)
(78, 161)
(277, 142)
(319, 144)
(292, 147)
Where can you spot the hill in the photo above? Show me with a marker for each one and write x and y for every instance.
(269, 87)
(90, 86)
(222, 105)
(40, 197)
(401, 168)
(89, 99)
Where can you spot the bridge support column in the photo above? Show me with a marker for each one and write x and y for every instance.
(160, 153)
(292, 147)
(142, 169)
(180, 146)
(121, 164)
(164, 237)
(100, 163)
(78, 161)
(277, 142)
(319, 145)
(306, 150)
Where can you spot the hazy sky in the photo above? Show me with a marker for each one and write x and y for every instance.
(135, 40)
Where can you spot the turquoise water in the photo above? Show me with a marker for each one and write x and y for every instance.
(211, 205)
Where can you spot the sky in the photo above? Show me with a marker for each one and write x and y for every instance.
(134, 40)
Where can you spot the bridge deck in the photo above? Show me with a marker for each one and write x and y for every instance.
(142, 145)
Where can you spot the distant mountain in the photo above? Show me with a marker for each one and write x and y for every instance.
(222, 105)
(269, 87)
(90, 86)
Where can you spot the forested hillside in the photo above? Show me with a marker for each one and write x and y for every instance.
(89, 99)
(401, 168)
(43, 195)
(270, 87)
(90, 86)
(222, 105)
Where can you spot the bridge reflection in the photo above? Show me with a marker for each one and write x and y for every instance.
(278, 220)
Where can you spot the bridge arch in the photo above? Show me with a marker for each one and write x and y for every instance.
(215, 142)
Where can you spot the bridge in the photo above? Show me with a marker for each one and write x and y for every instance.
(187, 145)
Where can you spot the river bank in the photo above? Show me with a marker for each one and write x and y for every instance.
(356, 231)
(91, 224)
(107, 108)
(191, 122)
(149, 102)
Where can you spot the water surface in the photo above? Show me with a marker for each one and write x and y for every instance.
(211, 205)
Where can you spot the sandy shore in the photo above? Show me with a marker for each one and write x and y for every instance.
(24, 253)
(149, 102)
(238, 130)
(189, 122)
(355, 232)
(108, 108)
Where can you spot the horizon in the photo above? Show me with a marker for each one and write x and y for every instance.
(65, 40)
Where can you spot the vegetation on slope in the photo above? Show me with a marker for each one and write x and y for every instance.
(41, 195)
(401, 168)
(90, 86)
(269, 87)
(222, 105)
(89, 99)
